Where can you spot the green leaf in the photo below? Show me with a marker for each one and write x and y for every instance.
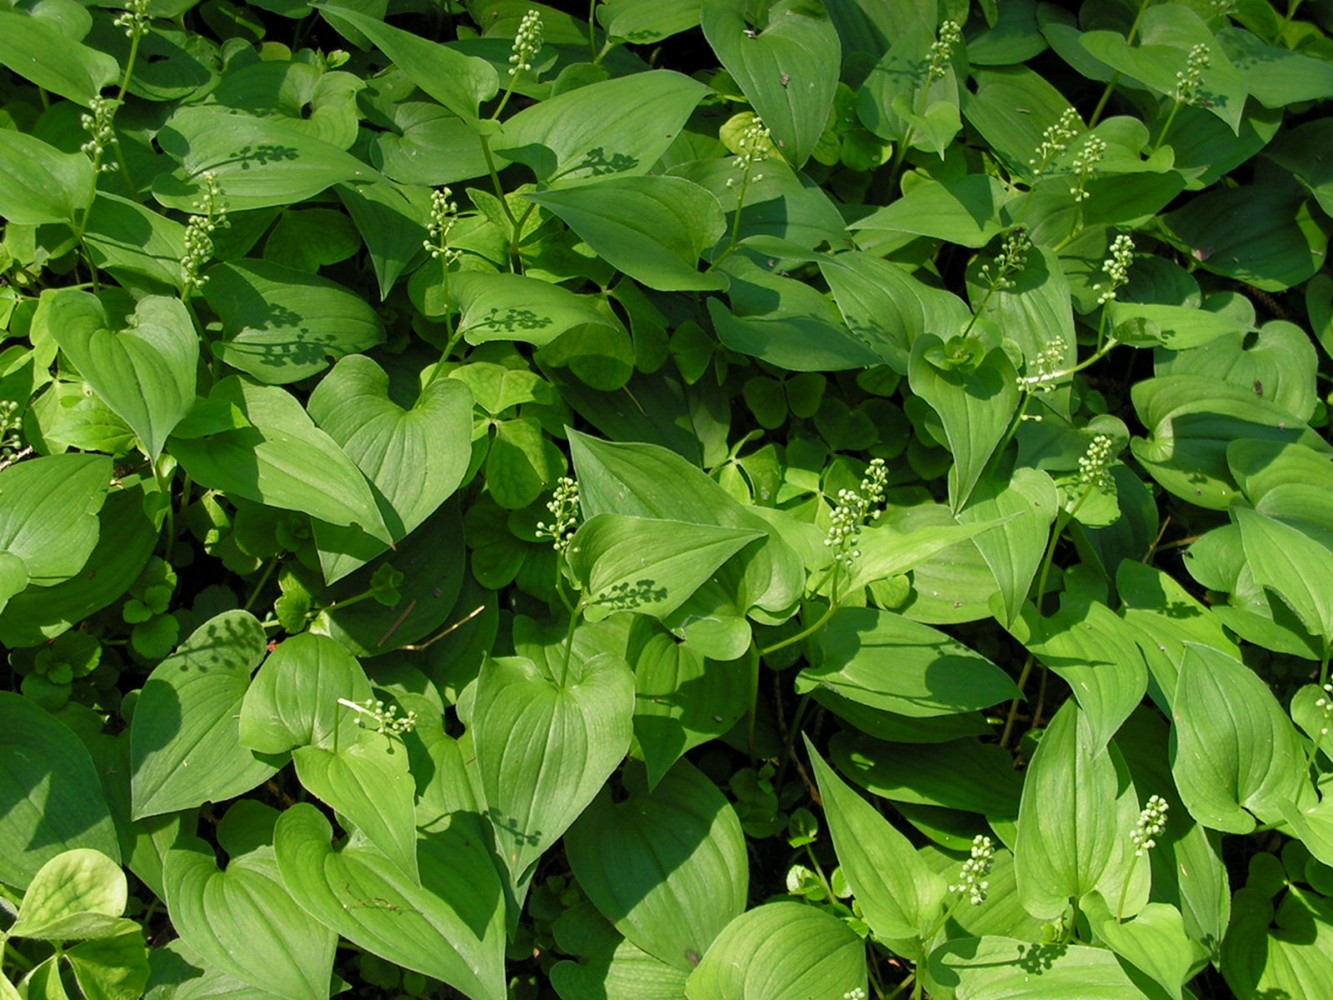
(217, 912)
(111, 968)
(1027, 506)
(1154, 942)
(787, 68)
(976, 407)
(1276, 362)
(1166, 36)
(130, 240)
(641, 480)
(40, 49)
(281, 325)
(781, 951)
(449, 926)
(646, 565)
(667, 867)
(894, 664)
(1289, 951)
(1293, 564)
(521, 462)
(146, 372)
(391, 219)
(1261, 235)
(957, 774)
(50, 798)
(652, 228)
(1001, 968)
(787, 323)
(1192, 419)
(1074, 820)
(682, 699)
(369, 783)
(488, 309)
(76, 895)
(614, 127)
(281, 460)
(457, 81)
(125, 540)
(1274, 75)
(641, 23)
(257, 162)
(293, 700)
(967, 212)
(1235, 750)
(48, 520)
(1096, 654)
(38, 183)
(899, 895)
(887, 305)
(416, 457)
(185, 746)
(545, 745)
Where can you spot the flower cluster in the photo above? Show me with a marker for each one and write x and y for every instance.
(135, 19)
(1054, 141)
(1094, 468)
(1085, 162)
(1189, 78)
(753, 145)
(443, 217)
(1325, 705)
(384, 718)
(11, 424)
(1152, 821)
(853, 509)
(972, 879)
(527, 43)
(1011, 259)
(856, 994)
(937, 60)
(564, 505)
(1048, 363)
(1116, 267)
(211, 215)
(99, 123)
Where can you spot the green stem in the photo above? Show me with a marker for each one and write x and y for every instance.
(592, 29)
(451, 338)
(805, 633)
(819, 871)
(1161, 137)
(1089, 361)
(1115, 77)
(1124, 889)
(495, 181)
(164, 487)
(569, 643)
(263, 579)
(1323, 663)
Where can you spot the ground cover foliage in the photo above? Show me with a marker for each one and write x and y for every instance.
(657, 500)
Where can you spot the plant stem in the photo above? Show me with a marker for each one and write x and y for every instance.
(1161, 136)
(805, 633)
(569, 643)
(263, 579)
(1115, 77)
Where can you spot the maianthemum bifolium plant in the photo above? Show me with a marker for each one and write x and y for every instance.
(775, 500)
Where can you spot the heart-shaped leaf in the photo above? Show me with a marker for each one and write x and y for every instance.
(53, 801)
(787, 67)
(293, 701)
(218, 912)
(48, 521)
(647, 565)
(369, 783)
(450, 925)
(1235, 750)
(281, 325)
(185, 741)
(76, 895)
(781, 951)
(652, 228)
(416, 456)
(545, 744)
(144, 373)
(667, 867)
